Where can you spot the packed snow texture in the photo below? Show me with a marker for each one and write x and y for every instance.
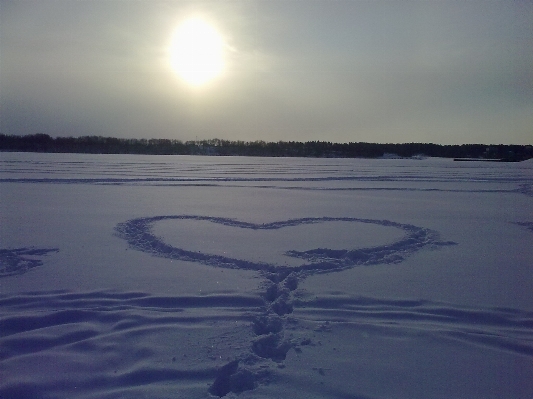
(129, 276)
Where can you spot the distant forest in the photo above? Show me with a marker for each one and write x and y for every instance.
(320, 149)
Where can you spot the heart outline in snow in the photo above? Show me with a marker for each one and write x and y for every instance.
(138, 234)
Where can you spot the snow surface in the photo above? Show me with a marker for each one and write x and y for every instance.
(202, 277)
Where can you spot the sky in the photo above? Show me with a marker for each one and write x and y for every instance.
(433, 71)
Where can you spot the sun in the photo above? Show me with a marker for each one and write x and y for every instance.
(197, 52)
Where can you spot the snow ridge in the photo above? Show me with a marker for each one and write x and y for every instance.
(121, 325)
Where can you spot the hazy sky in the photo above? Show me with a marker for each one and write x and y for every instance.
(439, 71)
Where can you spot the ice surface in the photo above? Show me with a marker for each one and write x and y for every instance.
(195, 277)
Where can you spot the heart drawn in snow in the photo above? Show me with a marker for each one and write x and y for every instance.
(196, 233)
(139, 234)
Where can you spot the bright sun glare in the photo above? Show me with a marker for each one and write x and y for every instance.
(197, 52)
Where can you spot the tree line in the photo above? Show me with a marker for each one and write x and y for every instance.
(323, 149)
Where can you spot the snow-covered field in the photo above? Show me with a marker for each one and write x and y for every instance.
(195, 277)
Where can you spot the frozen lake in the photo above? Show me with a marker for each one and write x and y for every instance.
(129, 276)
